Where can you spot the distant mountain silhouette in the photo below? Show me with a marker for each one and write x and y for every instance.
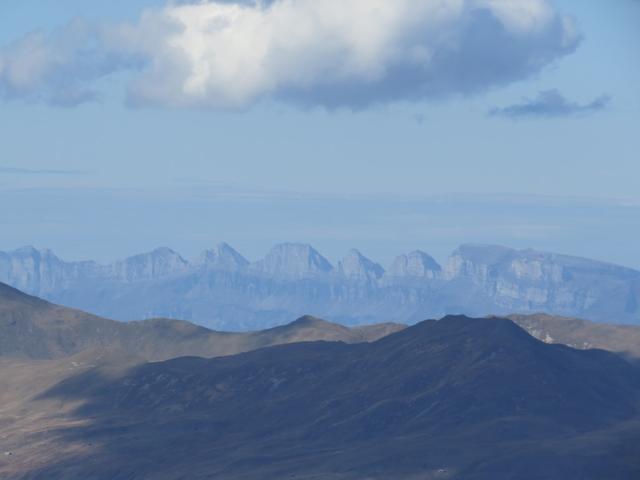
(33, 328)
(222, 290)
(459, 398)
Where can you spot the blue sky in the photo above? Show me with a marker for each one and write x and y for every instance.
(128, 170)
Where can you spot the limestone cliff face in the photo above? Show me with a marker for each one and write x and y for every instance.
(41, 271)
(528, 280)
(356, 267)
(292, 260)
(160, 263)
(223, 258)
(416, 264)
(222, 289)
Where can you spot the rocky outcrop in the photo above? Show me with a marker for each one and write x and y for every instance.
(355, 266)
(162, 262)
(532, 281)
(417, 265)
(42, 272)
(223, 290)
(293, 260)
(223, 257)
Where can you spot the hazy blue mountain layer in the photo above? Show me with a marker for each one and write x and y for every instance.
(223, 290)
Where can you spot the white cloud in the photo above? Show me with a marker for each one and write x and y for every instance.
(60, 68)
(331, 52)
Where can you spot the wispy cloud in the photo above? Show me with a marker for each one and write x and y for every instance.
(551, 103)
(30, 171)
(335, 53)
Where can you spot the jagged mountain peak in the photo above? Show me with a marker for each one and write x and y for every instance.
(164, 251)
(224, 246)
(160, 262)
(358, 267)
(296, 260)
(160, 252)
(415, 264)
(222, 257)
(31, 251)
(160, 255)
(26, 250)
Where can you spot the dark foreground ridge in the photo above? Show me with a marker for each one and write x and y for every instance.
(473, 399)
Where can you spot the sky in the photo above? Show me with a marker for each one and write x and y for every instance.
(387, 126)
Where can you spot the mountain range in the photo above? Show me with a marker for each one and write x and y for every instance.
(459, 398)
(223, 290)
(32, 328)
(87, 398)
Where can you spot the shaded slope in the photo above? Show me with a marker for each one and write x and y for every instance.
(459, 398)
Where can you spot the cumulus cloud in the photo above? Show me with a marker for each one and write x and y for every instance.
(334, 53)
(60, 67)
(551, 103)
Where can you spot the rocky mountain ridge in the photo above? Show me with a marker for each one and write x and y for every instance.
(222, 289)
